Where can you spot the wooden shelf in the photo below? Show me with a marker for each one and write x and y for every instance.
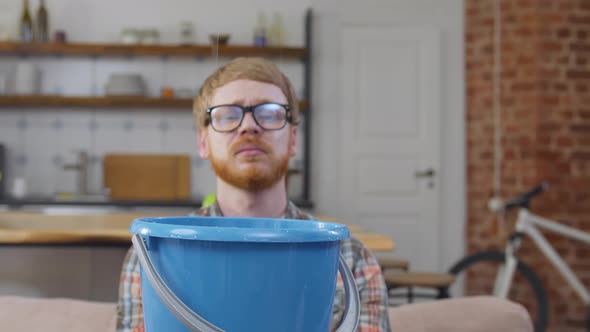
(35, 101)
(118, 50)
(106, 102)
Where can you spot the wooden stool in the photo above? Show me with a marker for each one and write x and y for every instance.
(439, 281)
(387, 263)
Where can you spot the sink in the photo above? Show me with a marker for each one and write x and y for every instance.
(77, 210)
(87, 204)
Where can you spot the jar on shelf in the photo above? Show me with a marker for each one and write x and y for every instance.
(276, 31)
(186, 33)
(130, 36)
(150, 37)
(261, 31)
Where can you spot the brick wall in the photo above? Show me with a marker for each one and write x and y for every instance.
(545, 115)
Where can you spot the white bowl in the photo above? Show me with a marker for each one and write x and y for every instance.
(125, 84)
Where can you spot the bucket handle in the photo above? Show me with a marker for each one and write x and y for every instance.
(190, 318)
(197, 323)
(352, 310)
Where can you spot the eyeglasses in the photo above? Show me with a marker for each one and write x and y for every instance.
(269, 116)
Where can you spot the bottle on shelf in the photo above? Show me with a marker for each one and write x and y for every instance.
(261, 31)
(42, 23)
(276, 31)
(26, 31)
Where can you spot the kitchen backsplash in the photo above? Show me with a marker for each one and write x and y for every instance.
(40, 141)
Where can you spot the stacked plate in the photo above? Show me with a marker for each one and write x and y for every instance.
(125, 84)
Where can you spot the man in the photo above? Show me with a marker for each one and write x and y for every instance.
(247, 114)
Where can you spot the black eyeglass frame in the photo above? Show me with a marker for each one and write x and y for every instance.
(249, 109)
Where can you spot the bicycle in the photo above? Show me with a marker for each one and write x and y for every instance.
(511, 267)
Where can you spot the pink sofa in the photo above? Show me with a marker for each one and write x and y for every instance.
(474, 314)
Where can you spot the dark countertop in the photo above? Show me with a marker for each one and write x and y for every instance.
(18, 203)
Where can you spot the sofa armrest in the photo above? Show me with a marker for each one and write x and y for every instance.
(467, 314)
(56, 315)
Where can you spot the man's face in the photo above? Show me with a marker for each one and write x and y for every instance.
(249, 157)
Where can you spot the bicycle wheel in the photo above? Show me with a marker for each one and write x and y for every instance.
(480, 271)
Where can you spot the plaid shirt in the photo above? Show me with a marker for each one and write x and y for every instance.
(367, 274)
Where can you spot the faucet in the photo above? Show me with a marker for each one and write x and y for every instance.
(82, 167)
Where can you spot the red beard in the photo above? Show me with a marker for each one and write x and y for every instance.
(254, 177)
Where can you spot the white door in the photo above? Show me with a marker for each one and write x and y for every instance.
(390, 123)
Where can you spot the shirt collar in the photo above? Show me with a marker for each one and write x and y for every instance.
(291, 211)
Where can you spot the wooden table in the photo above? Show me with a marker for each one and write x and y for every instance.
(27, 228)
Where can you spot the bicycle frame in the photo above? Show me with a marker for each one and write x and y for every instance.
(529, 223)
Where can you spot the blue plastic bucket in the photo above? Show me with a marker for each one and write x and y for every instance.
(241, 274)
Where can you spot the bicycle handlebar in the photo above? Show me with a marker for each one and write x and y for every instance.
(524, 199)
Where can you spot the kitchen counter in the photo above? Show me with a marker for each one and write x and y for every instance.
(196, 203)
(31, 228)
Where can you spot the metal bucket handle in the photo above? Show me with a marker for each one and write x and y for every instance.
(197, 323)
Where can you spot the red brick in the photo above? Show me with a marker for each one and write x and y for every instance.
(579, 19)
(564, 33)
(549, 100)
(553, 73)
(524, 4)
(564, 5)
(563, 60)
(578, 74)
(581, 129)
(563, 167)
(551, 46)
(523, 32)
(580, 155)
(550, 18)
(472, 11)
(523, 86)
(581, 61)
(523, 59)
(508, 73)
(509, 154)
(581, 88)
(565, 141)
(544, 140)
(567, 115)
(582, 34)
(580, 47)
(561, 87)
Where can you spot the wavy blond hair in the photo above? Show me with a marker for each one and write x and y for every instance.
(255, 69)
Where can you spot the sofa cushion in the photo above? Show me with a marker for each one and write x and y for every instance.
(48, 315)
(467, 314)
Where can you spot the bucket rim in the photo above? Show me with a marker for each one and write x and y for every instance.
(240, 229)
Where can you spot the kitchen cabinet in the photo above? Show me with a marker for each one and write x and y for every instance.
(169, 53)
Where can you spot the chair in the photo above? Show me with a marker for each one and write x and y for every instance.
(388, 263)
(397, 275)
(439, 281)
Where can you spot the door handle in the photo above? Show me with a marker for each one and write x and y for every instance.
(427, 173)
